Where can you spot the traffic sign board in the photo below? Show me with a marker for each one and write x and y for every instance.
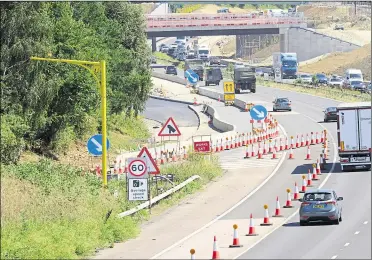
(229, 97)
(202, 146)
(228, 87)
(94, 145)
(169, 129)
(152, 168)
(138, 189)
(258, 112)
(191, 76)
(137, 168)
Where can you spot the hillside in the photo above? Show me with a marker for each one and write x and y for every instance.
(337, 63)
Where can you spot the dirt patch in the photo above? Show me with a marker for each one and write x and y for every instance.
(337, 63)
(212, 9)
(360, 37)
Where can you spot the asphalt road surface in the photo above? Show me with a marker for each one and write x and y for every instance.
(350, 239)
(161, 110)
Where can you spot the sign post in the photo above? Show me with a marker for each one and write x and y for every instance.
(170, 129)
(202, 146)
(138, 187)
(229, 92)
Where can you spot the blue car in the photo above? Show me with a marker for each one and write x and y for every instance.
(322, 78)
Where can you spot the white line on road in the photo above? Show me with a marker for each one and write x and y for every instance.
(334, 257)
(320, 186)
(365, 222)
(233, 207)
(356, 232)
(346, 244)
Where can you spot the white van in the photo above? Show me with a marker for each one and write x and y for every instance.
(353, 74)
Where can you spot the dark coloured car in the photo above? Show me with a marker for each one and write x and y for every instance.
(171, 70)
(214, 61)
(358, 85)
(322, 78)
(330, 113)
(339, 27)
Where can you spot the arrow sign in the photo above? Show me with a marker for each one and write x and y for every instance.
(258, 112)
(94, 145)
(191, 76)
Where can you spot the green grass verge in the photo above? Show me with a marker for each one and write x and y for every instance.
(52, 211)
(189, 8)
(344, 95)
(167, 60)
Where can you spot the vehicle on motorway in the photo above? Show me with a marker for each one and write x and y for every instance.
(282, 104)
(203, 53)
(357, 85)
(338, 27)
(190, 55)
(214, 60)
(223, 10)
(305, 78)
(181, 56)
(171, 70)
(320, 205)
(285, 65)
(354, 135)
(368, 88)
(213, 76)
(196, 65)
(244, 79)
(171, 51)
(335, 82)
(321, 78)
(330, 113)
(353, 74)
(164, 49)
(259, 72)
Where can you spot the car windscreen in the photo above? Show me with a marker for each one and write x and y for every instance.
(320, 196)
(321, 76)
(282, 100)
(305, 76)
(331, 109)
(289, 63)
(335, 80)
(355, 83)
(355, 76)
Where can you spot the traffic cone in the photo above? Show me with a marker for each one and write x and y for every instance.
(303, 187)
(161, 157)
(217, 146)
(286, 144)
(318, 168)
(216, 253)
(274, 154)
(174, 155)
(291, 156)
(296, 194)
(297, 142)
(302, 141)
(266, 220)
(312, 142)
(292, 146)
(252, 230)
(231, 143)
(236, 242)
(277, 208)
(307, 140)
(308, 156)
(184, 153)
(192, 253)
(271, 147)
(227, 144)
(221, 145)
(281, 145)
(309, 183)
(253, 151)
(219, 98)
(322, 137)
(317, 138)
(98, 170)
(264, 149)
(288, 203)
(243, 141)
(315, 176)
(254, 138)
(247, 153)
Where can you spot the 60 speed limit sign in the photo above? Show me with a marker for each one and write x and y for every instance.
(137, 168)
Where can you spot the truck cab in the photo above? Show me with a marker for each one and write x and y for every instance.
(285, 65)
(244, 79)
(213, 76)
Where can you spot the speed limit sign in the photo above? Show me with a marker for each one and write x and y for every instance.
(137, 168)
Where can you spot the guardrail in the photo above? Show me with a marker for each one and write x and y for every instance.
(221, 22)
(157, 198)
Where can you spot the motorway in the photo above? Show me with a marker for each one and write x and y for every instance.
(160, 110)
(350, 239)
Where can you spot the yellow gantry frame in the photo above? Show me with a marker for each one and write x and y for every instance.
(94, 68)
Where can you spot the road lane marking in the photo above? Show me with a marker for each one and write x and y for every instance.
(334, 257)
(356, 232)
(346, 244)
(282, 159)
(365, 222)
(320, 186)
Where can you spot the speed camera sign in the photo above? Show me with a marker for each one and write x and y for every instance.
(137, 168)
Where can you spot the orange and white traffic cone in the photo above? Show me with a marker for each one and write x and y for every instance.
(317, 138)
(184, 153)
(239, 141)
(259, 153)
(264, 148)
(271, 146)
(281, 145)
(277, 208)
(192, 253)
(243, 139)
(247, 152)
(253, 154)
(227, 147)
(309, 183)
(98, 170)
(312, 142)
(251, 230)
(297, 142)
(308, 155)
(161, 157)
(296, 195)
(318, 168)
(288, 203)
(303, 187)
(216, 253)
(292, 143)
(221, 145)
(307, 140)
(291, 156)
(286, 144)
(236, 242)
(315, 176)
(302, 141)
(266, 220)
(274, 154)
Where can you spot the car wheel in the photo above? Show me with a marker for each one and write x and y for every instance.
(302, 223)
(274, 110)
(336, 222)
(325, 120)
(290, 110)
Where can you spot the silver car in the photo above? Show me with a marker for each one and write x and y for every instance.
(320, 205)
(282, 104)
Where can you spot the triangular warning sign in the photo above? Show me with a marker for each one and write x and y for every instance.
(169, 129)
(152, 168)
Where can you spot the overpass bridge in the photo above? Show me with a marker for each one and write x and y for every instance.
(172, 25)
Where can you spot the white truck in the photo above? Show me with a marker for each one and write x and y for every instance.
(204, 53)
(354, 135)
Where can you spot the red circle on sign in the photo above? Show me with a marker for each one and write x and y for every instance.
(137, 172)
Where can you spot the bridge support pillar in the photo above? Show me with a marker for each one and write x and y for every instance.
(153, 44)
(240, 39)
(283, 41)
